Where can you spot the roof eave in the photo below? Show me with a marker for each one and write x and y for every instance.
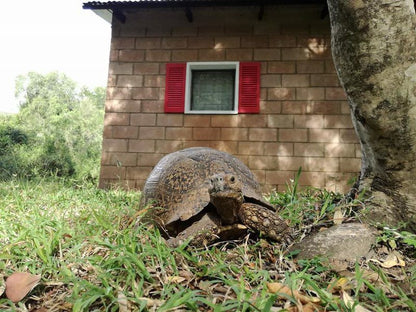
(106, 9)
(95, 5)
(105, 14)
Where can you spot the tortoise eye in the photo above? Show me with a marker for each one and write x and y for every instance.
(232, 179)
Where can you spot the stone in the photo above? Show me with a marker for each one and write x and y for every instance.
(343, 242)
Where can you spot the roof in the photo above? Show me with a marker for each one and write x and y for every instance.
(106, 8)
(94, 5)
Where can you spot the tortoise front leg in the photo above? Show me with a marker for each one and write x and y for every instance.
(207, 231)
(201, 232)
(263, 220)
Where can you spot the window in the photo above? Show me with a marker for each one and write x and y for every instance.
(212, 88)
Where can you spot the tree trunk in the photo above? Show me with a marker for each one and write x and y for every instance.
(373, 46)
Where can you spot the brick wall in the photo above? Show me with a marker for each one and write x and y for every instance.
(304, 119)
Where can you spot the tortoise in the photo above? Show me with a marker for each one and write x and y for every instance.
(207, 195)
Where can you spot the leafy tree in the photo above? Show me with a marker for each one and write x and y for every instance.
(96, 96)
(39, 90)
(60, 125)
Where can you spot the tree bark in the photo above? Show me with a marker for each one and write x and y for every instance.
(373, 46)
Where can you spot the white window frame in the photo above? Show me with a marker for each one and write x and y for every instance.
(210, 66)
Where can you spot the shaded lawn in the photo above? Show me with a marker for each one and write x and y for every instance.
(94, 256)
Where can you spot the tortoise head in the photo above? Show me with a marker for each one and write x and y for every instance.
(226, 195)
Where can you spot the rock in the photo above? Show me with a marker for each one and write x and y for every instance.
(344, 242)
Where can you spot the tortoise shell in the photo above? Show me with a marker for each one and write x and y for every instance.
(179, 183)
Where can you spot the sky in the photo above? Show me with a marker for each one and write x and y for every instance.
(51, 35)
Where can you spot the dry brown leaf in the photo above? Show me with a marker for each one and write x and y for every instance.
(311, 307)
(205, 285)
(123, 302)
(66, 235)
(188, 275)
(151, 303)
(349, 302)
(175, 279)
(392, 260)
(371, 275)
(338, 216)
(19, 284)
(280, 288)
(2, 285)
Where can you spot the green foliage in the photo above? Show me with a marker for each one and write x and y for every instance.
(56, 157)
(9, 137)
(58, 130)
(395, 238)
(35, 89)
(12, 140)
(312, 207)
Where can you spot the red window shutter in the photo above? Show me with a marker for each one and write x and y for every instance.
(175, 88)
(249, 88)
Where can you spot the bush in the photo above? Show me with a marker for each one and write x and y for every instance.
(10, 136)
(56, 160)
(58, 130)
(11, 141)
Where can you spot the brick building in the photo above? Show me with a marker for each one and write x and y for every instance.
(267, 68)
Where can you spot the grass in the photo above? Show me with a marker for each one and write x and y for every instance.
(93, 256)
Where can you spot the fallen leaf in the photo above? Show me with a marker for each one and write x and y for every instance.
(205, 286)
(392, 260)
(277, 287)
(392, 244)
(151, 303)
(19, 284)
(176, 279)
(338, 216)
(123, 303)
(280, 288)
(186, 274)
(339, 285)
(2, 285)
(349, 303)
(311, 307)
(371, 275)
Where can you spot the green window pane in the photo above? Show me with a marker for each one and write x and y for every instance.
(212, 90)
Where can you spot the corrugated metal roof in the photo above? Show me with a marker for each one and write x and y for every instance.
(107, 9)
(97, 5)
